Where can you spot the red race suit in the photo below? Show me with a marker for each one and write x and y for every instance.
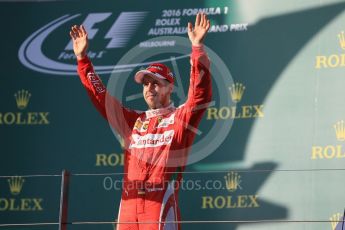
(157, 143)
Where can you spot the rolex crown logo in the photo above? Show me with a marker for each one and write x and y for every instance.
(22, 98)
(233, 181)
(340, 130)
(16, 184)
(341, 37)
(335, 218)
(236, 92)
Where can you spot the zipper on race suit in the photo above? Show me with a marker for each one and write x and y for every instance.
(151, 127)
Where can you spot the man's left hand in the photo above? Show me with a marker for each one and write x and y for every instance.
(197, 34)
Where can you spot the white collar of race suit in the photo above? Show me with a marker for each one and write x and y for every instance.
(162, 111)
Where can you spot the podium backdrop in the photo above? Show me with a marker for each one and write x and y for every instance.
(270, 148)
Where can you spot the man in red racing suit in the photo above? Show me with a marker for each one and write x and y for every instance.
(157, 141)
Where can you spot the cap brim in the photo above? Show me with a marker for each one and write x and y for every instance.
(139, 76)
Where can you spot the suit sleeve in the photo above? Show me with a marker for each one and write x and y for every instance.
(120, 118)
(200, 87)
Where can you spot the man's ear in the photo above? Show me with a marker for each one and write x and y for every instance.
(171, 88)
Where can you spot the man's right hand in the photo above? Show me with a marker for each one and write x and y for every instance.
(80, 41)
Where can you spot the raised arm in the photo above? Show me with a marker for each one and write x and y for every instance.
(200, 85)
(120, 118)
(200, 88)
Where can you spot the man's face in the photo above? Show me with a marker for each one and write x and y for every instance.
(156, 92)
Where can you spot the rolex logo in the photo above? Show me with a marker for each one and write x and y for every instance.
(341, 37)
(22, 98)
(16, 184)
(335, 60)
(234, 111)
(232, 181)
(335, 218)
(331, 151)
(236, 92)
(340, 130)
(22, 117)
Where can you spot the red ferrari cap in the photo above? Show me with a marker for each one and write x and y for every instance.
(155, 70)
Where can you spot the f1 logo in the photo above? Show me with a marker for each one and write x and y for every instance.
(119, 33)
